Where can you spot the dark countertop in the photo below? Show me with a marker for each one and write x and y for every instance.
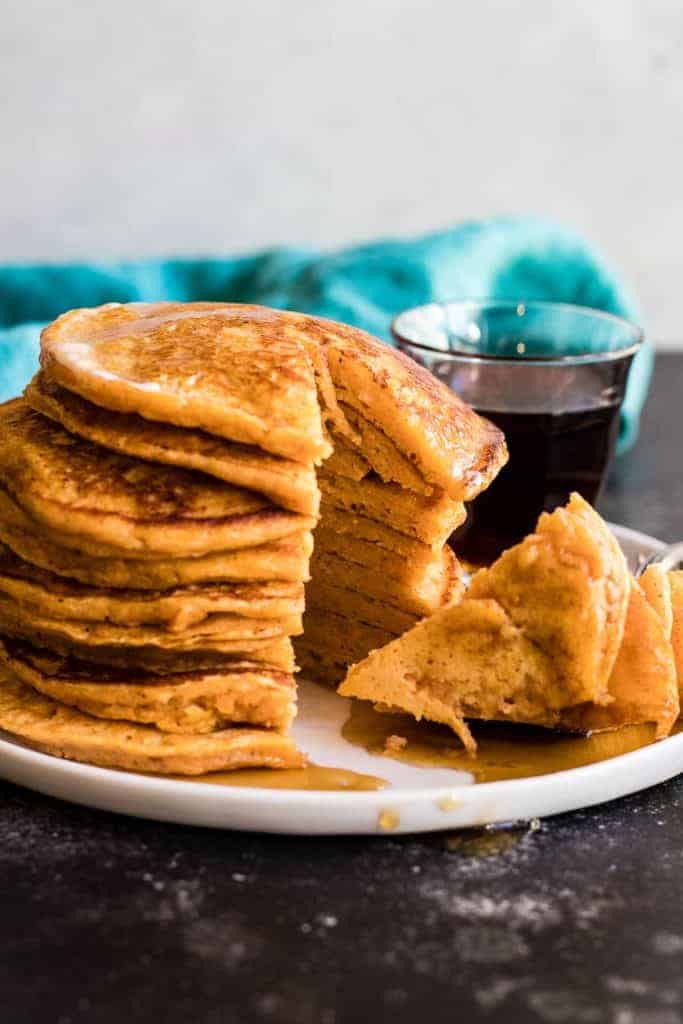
(116, 921)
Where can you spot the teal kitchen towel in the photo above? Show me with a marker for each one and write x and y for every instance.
(517, 258)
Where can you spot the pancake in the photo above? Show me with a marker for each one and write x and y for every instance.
(273, 652)
(52, 728)
(643, 684)
(239, 372)
(354, 605)
(185, 703)
(420, 599)
(427, 569)
(287, 483)
(87, 496)
(567, 586)
(466, 661)
(284, 560)
(215, 633)
(48, 595)
(429, 518)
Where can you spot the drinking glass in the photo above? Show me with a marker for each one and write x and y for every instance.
(552, 376)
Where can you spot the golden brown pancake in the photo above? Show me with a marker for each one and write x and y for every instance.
(186, 703)
(239, 372)
(567, 586)
(275, 652)
(643, 685)
(284, 560)
(97, 500)
(395, 583)
(48, 595)
(49, 726)
(248, 373)
(429, 518)
(287, 483)
(536, 634)
(466, 661)
(216, 633)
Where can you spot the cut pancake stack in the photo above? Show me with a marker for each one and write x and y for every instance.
(158, 494)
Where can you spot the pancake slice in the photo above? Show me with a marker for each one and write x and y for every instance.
(287, 483)
(567, 586)
(193, 702)
(47, 595)
(240, 372)
(53, 728)
(429, 518)
(284, 560)
(643, 685)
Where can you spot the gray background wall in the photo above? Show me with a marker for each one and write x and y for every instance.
(132, 128)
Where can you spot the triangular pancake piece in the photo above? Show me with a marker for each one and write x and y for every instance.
(53, 728)
(642, 686)
(239, 372)
(286, 482)
(468, 661)
(567, 586)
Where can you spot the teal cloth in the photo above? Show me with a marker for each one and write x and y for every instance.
(365, 285)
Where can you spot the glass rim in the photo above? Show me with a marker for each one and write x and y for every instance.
(463, 355)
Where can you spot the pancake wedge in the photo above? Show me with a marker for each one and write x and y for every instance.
(567, 586)
(195, 702)
(239, 372)
(96, 500)
(468, 661)
(285, 482)
(643, 685)
(53, 728)
(45, 594)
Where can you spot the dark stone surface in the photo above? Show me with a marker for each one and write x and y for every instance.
(115, 920)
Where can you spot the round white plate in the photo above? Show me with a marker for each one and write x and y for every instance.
(413, 796)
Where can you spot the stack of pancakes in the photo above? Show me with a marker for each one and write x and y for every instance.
(158, 494)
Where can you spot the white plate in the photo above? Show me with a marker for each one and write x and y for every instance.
(413, 795)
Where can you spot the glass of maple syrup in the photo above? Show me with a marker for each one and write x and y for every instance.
(552, 376)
